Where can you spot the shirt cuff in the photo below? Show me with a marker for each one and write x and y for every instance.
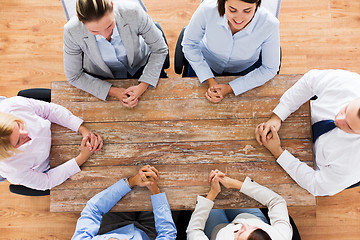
(72, 167)
(237, 86)
(203, 201)
(285, 160)
(282, 111)
(76, 123)
(159, 199)
(247, 185)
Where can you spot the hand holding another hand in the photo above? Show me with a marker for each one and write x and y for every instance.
(146, 177)
(130, 97)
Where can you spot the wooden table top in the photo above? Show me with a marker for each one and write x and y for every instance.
(177, 130)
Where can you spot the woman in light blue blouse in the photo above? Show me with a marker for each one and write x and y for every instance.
(232, 37)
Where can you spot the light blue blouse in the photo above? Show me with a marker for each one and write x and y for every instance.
(114, 54)
(209, 44)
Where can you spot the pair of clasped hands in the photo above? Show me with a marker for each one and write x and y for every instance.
(216, 92)
(266, 134)
(129, 97)
(215, 178)
(146, 177)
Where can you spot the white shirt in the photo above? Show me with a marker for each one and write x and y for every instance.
(280, 228)
(336, 153)
(27, 167)
(114, 54)
(208, 43)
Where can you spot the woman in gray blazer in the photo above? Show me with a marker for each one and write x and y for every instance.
(112, 41)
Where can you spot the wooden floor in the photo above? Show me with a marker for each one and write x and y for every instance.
(314, 34)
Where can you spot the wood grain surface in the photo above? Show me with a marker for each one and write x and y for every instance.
(189, 131)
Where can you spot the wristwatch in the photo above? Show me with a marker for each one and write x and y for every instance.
(127, 181)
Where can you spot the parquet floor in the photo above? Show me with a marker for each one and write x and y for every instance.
(319, 34)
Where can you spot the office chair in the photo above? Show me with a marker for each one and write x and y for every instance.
(181, 64)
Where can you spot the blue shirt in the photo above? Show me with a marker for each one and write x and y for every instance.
(114, 54)
(88, 224)
(209, 44)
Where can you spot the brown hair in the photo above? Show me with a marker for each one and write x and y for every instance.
(6, 128)
(259, 234)
(92, 10)
(221, 5)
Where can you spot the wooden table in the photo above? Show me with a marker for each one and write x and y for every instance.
(177, 130)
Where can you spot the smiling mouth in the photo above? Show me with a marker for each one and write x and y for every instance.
(238, 23)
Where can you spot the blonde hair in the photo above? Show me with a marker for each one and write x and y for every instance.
(6, 128)
(92, 10)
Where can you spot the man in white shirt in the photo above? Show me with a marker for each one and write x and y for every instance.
(336, 151)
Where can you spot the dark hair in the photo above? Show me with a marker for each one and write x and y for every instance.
(221, 5)
(359, 113)
(92, 10)
(259, 234)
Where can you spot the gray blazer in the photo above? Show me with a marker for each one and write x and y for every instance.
(142, 40)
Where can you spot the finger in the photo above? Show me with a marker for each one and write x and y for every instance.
(207, 96)
(133, 103)
(274, 133)
(257, 135)
(100, 142)
(264, 133)
(84, 141)
(269, 136)
(155, 171)
(213, 93)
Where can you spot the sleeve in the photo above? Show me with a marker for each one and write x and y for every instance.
(164, 223)
(73, 67)
(193, 35)
(89, 222)
(270, 52)
(154, 39)
(318, 182)
(195, 229)
(43, 181)
(54, 113)
(309, 85)
(278, 213)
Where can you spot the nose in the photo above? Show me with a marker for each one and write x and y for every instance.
(340, 119)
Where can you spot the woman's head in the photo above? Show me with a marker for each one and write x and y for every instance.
(12, 135)
(97, 16)
(239, 13)
(92, 10)
(259, 234)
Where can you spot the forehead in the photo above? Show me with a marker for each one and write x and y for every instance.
(101, 24)
(239, 4)
(352, 114)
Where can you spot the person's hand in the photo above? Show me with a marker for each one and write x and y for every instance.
(146, 177)
(217, 92)
(273, 144)
(95, 142)
(117, 92)
(215, 187)
(263, 132)
(226, 181)
(131, 95)
(85, 152)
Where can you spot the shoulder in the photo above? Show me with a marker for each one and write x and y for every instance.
(267, 18)
(333, 75)
(14, 103)
(128, 9)
(74, 26)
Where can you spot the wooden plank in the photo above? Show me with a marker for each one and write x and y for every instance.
(173, 109)
(181, 153)
(73, 200)
(174, 88)
(181, 131)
